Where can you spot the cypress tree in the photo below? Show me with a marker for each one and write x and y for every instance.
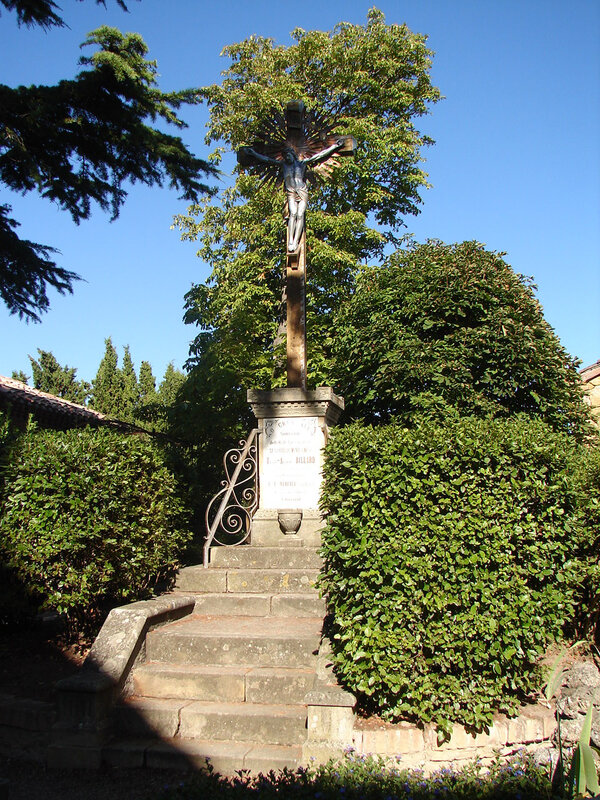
(108, 385)
(131, 389)
(147, 384)
(49, 376)
(170, 385)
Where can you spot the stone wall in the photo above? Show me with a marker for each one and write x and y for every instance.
(591, 384)
(418, 747)
(335, 730)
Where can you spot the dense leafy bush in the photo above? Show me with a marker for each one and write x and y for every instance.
(370, 778)
(451, 326)
(586, 485)
(453, 558)
(89, 518)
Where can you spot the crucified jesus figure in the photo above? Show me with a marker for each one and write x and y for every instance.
(288, 150)
(294, 173)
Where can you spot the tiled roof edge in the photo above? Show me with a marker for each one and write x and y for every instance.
(591, 372)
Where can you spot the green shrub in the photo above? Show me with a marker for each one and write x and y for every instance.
(89, 518)
(452, 559)
(442, 327)
(586, 484)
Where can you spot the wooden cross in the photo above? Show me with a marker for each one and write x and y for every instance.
(301, 144)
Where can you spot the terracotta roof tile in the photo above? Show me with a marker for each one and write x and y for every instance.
(17, 392)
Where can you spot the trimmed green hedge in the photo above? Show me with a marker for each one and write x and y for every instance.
(586, 484)
(89, 518)
(442, 327)
(453, 557)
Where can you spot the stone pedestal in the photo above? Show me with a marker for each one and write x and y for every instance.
(293, 425)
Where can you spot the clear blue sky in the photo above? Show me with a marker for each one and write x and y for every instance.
(516, 162)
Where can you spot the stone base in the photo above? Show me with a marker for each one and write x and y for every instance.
(266, 530)
(293, 429)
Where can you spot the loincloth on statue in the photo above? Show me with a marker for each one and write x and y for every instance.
(299, 195)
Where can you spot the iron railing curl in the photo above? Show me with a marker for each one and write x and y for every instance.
(229, 514)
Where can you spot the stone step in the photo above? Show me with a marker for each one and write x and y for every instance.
(248, 581)
(251, 557)
(260, 605)
(238, 722)
(244, 722)
(234, 641)
(223, 684)
(226, 758)
(149, 716)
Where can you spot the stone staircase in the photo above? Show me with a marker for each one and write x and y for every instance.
(227, 684)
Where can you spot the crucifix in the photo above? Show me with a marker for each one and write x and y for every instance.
(288, 145)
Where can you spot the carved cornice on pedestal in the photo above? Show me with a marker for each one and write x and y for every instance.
(290, 402)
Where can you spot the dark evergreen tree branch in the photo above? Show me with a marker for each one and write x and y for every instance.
(26, 271)
(49, 376)
(43, 12)
(78, 143)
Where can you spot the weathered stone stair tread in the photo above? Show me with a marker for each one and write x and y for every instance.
(240, 722)
(192, 719)
(265, 557)
(223, 683)
(226, 757)
(254, 580)
(300, 604)
(226, 685)
(241, 626)
(254, 641)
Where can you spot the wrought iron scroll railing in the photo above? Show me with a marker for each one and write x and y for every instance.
(229, 514)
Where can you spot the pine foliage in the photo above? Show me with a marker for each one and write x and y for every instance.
(49, 376)
(108, 385)
(79, 142)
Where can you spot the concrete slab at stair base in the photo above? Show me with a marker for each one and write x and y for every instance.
(226, 758)
(191, 719)
(266, 530)
(68, 756)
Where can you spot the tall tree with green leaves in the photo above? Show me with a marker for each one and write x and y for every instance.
(131, 390)
(374, 81)
(147, 384)
(108, 386)
(148, 410)
(78, 144)
(170, 385)
(49, 376)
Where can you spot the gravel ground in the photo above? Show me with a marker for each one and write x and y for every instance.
(29, 780)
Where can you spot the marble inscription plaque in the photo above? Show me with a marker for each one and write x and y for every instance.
(290, 462)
